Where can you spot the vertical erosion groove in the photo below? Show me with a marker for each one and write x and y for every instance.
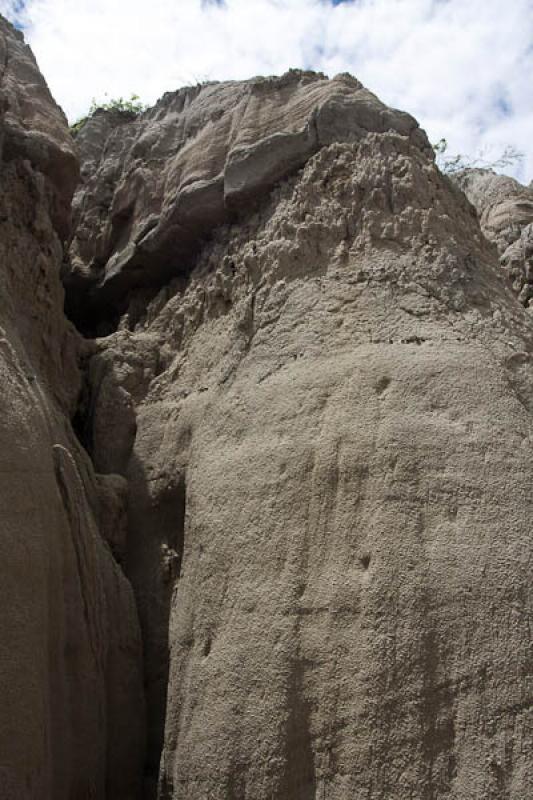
(299, 780)
(156, 575)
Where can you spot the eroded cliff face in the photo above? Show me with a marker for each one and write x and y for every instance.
(72, 705)
(156, 186)
(314, 396)
(325, 422)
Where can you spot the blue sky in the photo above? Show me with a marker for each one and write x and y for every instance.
(462, 67)
(14, 10)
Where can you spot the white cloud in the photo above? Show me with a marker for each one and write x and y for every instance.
(461, 67)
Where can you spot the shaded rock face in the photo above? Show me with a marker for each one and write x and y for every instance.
(72, 705)
(505, 209)
(33, 126)
(153, 188)
(307, 444)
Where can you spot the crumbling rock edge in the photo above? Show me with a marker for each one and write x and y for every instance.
(200, 158)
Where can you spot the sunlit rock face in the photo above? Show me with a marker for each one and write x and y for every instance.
(306, 447)
(72, 705)
(325, 422)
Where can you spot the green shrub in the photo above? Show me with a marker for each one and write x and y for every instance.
(133, 105)
(450, 164)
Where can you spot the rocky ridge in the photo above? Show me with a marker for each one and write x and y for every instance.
(315, 397)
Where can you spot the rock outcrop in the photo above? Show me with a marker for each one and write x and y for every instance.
(325, 423)
(155, 187)
(505, 210)
(72, 704)
(308, 434)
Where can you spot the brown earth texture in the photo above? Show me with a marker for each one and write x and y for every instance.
(265, 436)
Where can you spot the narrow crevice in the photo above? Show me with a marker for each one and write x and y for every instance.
(151, 560)
(153, 563)
(299, 779)
(81, 420)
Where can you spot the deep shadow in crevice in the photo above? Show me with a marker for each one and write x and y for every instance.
(298, 781)
(95, 302)
(437, 716)
(82, 420)
(156, 531)
(97, 298)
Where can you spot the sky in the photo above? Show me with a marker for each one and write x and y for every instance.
(463, 68)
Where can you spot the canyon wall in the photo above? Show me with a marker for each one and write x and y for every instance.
(72, 704)
(303, 431)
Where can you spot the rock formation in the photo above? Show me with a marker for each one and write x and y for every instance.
(314, 393)
(72, 705)
(156, 186)
(505, 210)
